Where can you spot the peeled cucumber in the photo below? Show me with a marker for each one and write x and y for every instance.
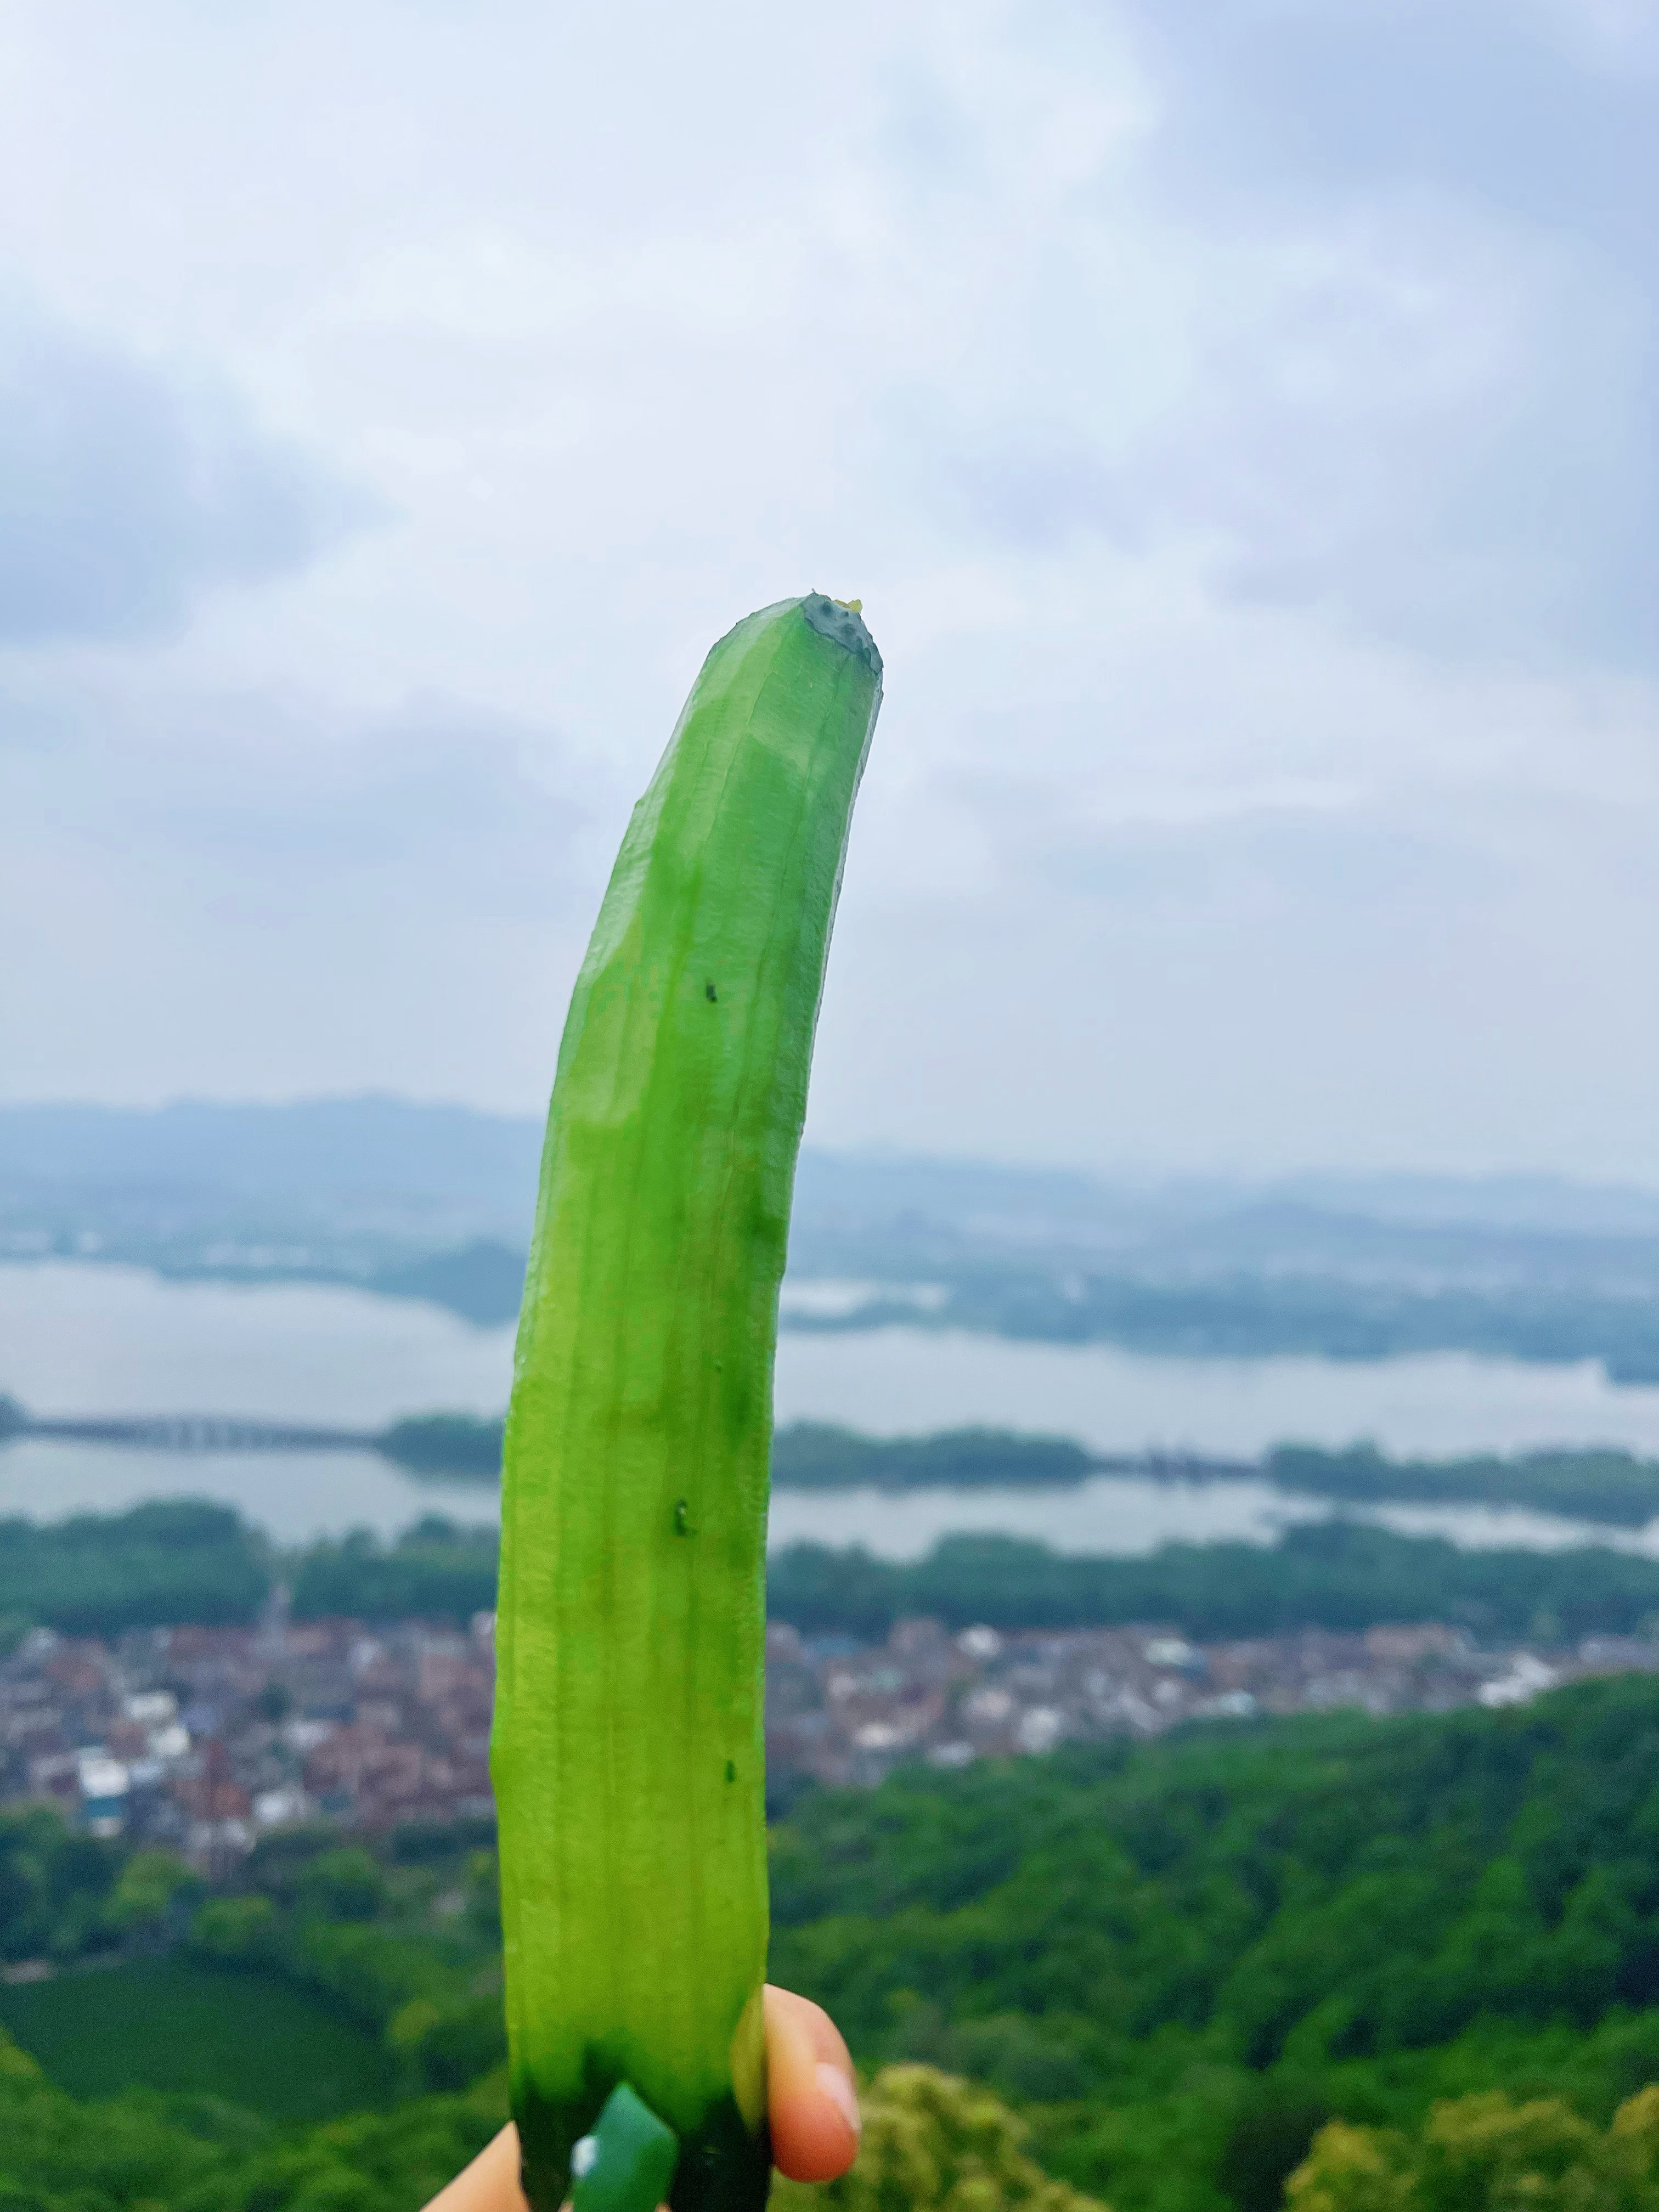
(628, 1753)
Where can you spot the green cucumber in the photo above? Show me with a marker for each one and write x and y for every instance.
(628, 1753)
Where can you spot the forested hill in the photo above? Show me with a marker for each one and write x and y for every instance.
(1178, 1960)
(1157, 1944)
(180, 1560)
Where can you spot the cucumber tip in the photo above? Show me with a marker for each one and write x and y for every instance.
(842, 620)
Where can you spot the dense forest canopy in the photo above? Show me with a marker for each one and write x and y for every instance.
(191, 1560)
(1176, 1962)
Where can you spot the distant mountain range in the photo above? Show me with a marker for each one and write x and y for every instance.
(435, 1202)
(386, 1150)
(360, 1150)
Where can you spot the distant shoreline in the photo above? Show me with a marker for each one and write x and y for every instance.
(167, 1562)
(1241, 1315)
(1612, 1487)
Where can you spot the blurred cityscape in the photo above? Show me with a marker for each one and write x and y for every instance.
(203, 1739)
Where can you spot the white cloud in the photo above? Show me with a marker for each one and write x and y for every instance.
(127, 490)
(1244, 445)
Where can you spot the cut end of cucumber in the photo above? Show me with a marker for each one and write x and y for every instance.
(841, 620)
(628, 2163)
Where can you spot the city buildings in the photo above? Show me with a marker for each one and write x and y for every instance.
(201, 1738)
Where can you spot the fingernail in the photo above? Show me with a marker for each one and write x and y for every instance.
(842, 2095)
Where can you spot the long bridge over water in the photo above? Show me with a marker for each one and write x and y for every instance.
(199, 1432)
(227, 1432)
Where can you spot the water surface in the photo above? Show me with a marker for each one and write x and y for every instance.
(96, 1339)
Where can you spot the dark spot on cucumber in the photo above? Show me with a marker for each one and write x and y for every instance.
(682, 1522)
(834, 619)
(709, 993)
(731, 1769)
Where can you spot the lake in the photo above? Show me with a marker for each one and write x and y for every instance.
(93, 1340)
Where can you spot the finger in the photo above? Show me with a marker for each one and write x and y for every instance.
(812, 2108)
(812, 2102)
(490, 2183)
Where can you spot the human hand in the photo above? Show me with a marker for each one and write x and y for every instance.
(810, 2104)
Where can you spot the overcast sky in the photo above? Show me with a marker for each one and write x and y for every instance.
(1240, 421)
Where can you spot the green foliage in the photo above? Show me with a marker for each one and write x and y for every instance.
(933, 2143)
(1254, 1316)
(363, 1929)
(1488, 2154)
(421, 1843)
(150, 1893)
(58, 2155)
(451, 2046)
(1180, 1954)
(235, 1932)
(1598, 1485)
(481, 1281)
(813, 1456)
(98, 1574)
(483, 1897)
(344, 1884)
(368, 2163)
(1030, 2060)
(1276, 2123)
(178, 2025)
(104, 1574)
(196, 2153)
(365, 1974)
(282, 1860)
(436, 1570)
(54, 1886)
(1355, 1889)
(372, 1972)
(193, 1561)
(1337, 1575)
(1174, 1961)
(414, 1956)
(445, 1444)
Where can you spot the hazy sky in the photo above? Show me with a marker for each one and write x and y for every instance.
(1240, 421)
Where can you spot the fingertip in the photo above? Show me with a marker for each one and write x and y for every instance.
(490, 2183)
(815, 2134)
(812, 2102)
(838, 2088)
